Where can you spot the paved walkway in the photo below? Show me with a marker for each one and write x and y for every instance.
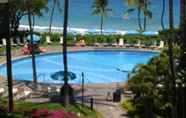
(108, 109)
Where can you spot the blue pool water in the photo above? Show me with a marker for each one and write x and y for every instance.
(98, 66)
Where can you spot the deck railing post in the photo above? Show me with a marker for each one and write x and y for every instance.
(91, 103)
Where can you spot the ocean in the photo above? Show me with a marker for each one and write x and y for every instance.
(81, 19)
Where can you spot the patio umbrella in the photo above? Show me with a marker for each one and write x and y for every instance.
(60, 75)
(36, 39)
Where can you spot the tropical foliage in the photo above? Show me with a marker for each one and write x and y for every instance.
(100, 7)
(55, 3)
(150, 85)
(142, 7)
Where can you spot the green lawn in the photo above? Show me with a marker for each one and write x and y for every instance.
(21, 107)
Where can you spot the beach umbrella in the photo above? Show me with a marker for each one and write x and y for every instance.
(36, 38)
(60, 75)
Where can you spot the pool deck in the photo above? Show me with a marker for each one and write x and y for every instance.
(58, 48)
(97, 91)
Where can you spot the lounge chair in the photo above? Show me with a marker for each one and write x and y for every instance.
(19, 41)
(138, 45)
(2, 90)
(12, 42)
(97, 44)
(58, 89)
(48, 41)
(161, 45)
(15, 90)
(81, 43)
(114, 44)
(4, 41)
(61, 40)
(121, 42)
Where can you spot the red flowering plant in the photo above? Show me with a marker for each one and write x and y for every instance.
(59, 113)
(40, 113)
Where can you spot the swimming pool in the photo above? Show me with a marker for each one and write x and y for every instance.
(99, 66)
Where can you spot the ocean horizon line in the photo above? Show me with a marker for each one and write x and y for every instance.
(77, 30)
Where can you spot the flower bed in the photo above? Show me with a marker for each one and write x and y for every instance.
(59, 113)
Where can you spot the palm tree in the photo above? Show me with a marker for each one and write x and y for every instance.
(33, 7)
(182, 12)
(171, 59)
(163, 14)
(100, 7)
(29, 5)
(6, 32)
(142, 7)
(182, 66)
(55, 3)
(66, 85)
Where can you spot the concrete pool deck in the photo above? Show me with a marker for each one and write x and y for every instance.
(58, 48)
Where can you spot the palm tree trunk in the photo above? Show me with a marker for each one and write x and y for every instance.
(33, 51)
(145, 16)
(65, 25)
(171, 15)
(162, 15)
(139, 19)
(171, 60)
(183, 54)
(145, 23)
(182, 12)
(9, 60)
(33, 20)
(52, 15)
(101, 25)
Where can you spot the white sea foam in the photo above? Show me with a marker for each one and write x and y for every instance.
(84, 30)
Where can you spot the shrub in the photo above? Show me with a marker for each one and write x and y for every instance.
(127, 104)
(59, 113)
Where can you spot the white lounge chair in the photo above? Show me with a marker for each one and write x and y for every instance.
(12, 42)
(114, 44)
(15, 90)
(138, 45)
(58, 89)
(2, 90)
(48, 41)
(4, 41)
(121, 42)
(161, 45)
(19, 41)
(61, 40)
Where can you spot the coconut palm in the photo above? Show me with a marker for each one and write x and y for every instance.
(182, 66)
(5, 20)
(171, 59)
(66, 86)
(55, 3)
(163, 14)
(31, 8)
(142, 7)
(182, 12)
(100, 7)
